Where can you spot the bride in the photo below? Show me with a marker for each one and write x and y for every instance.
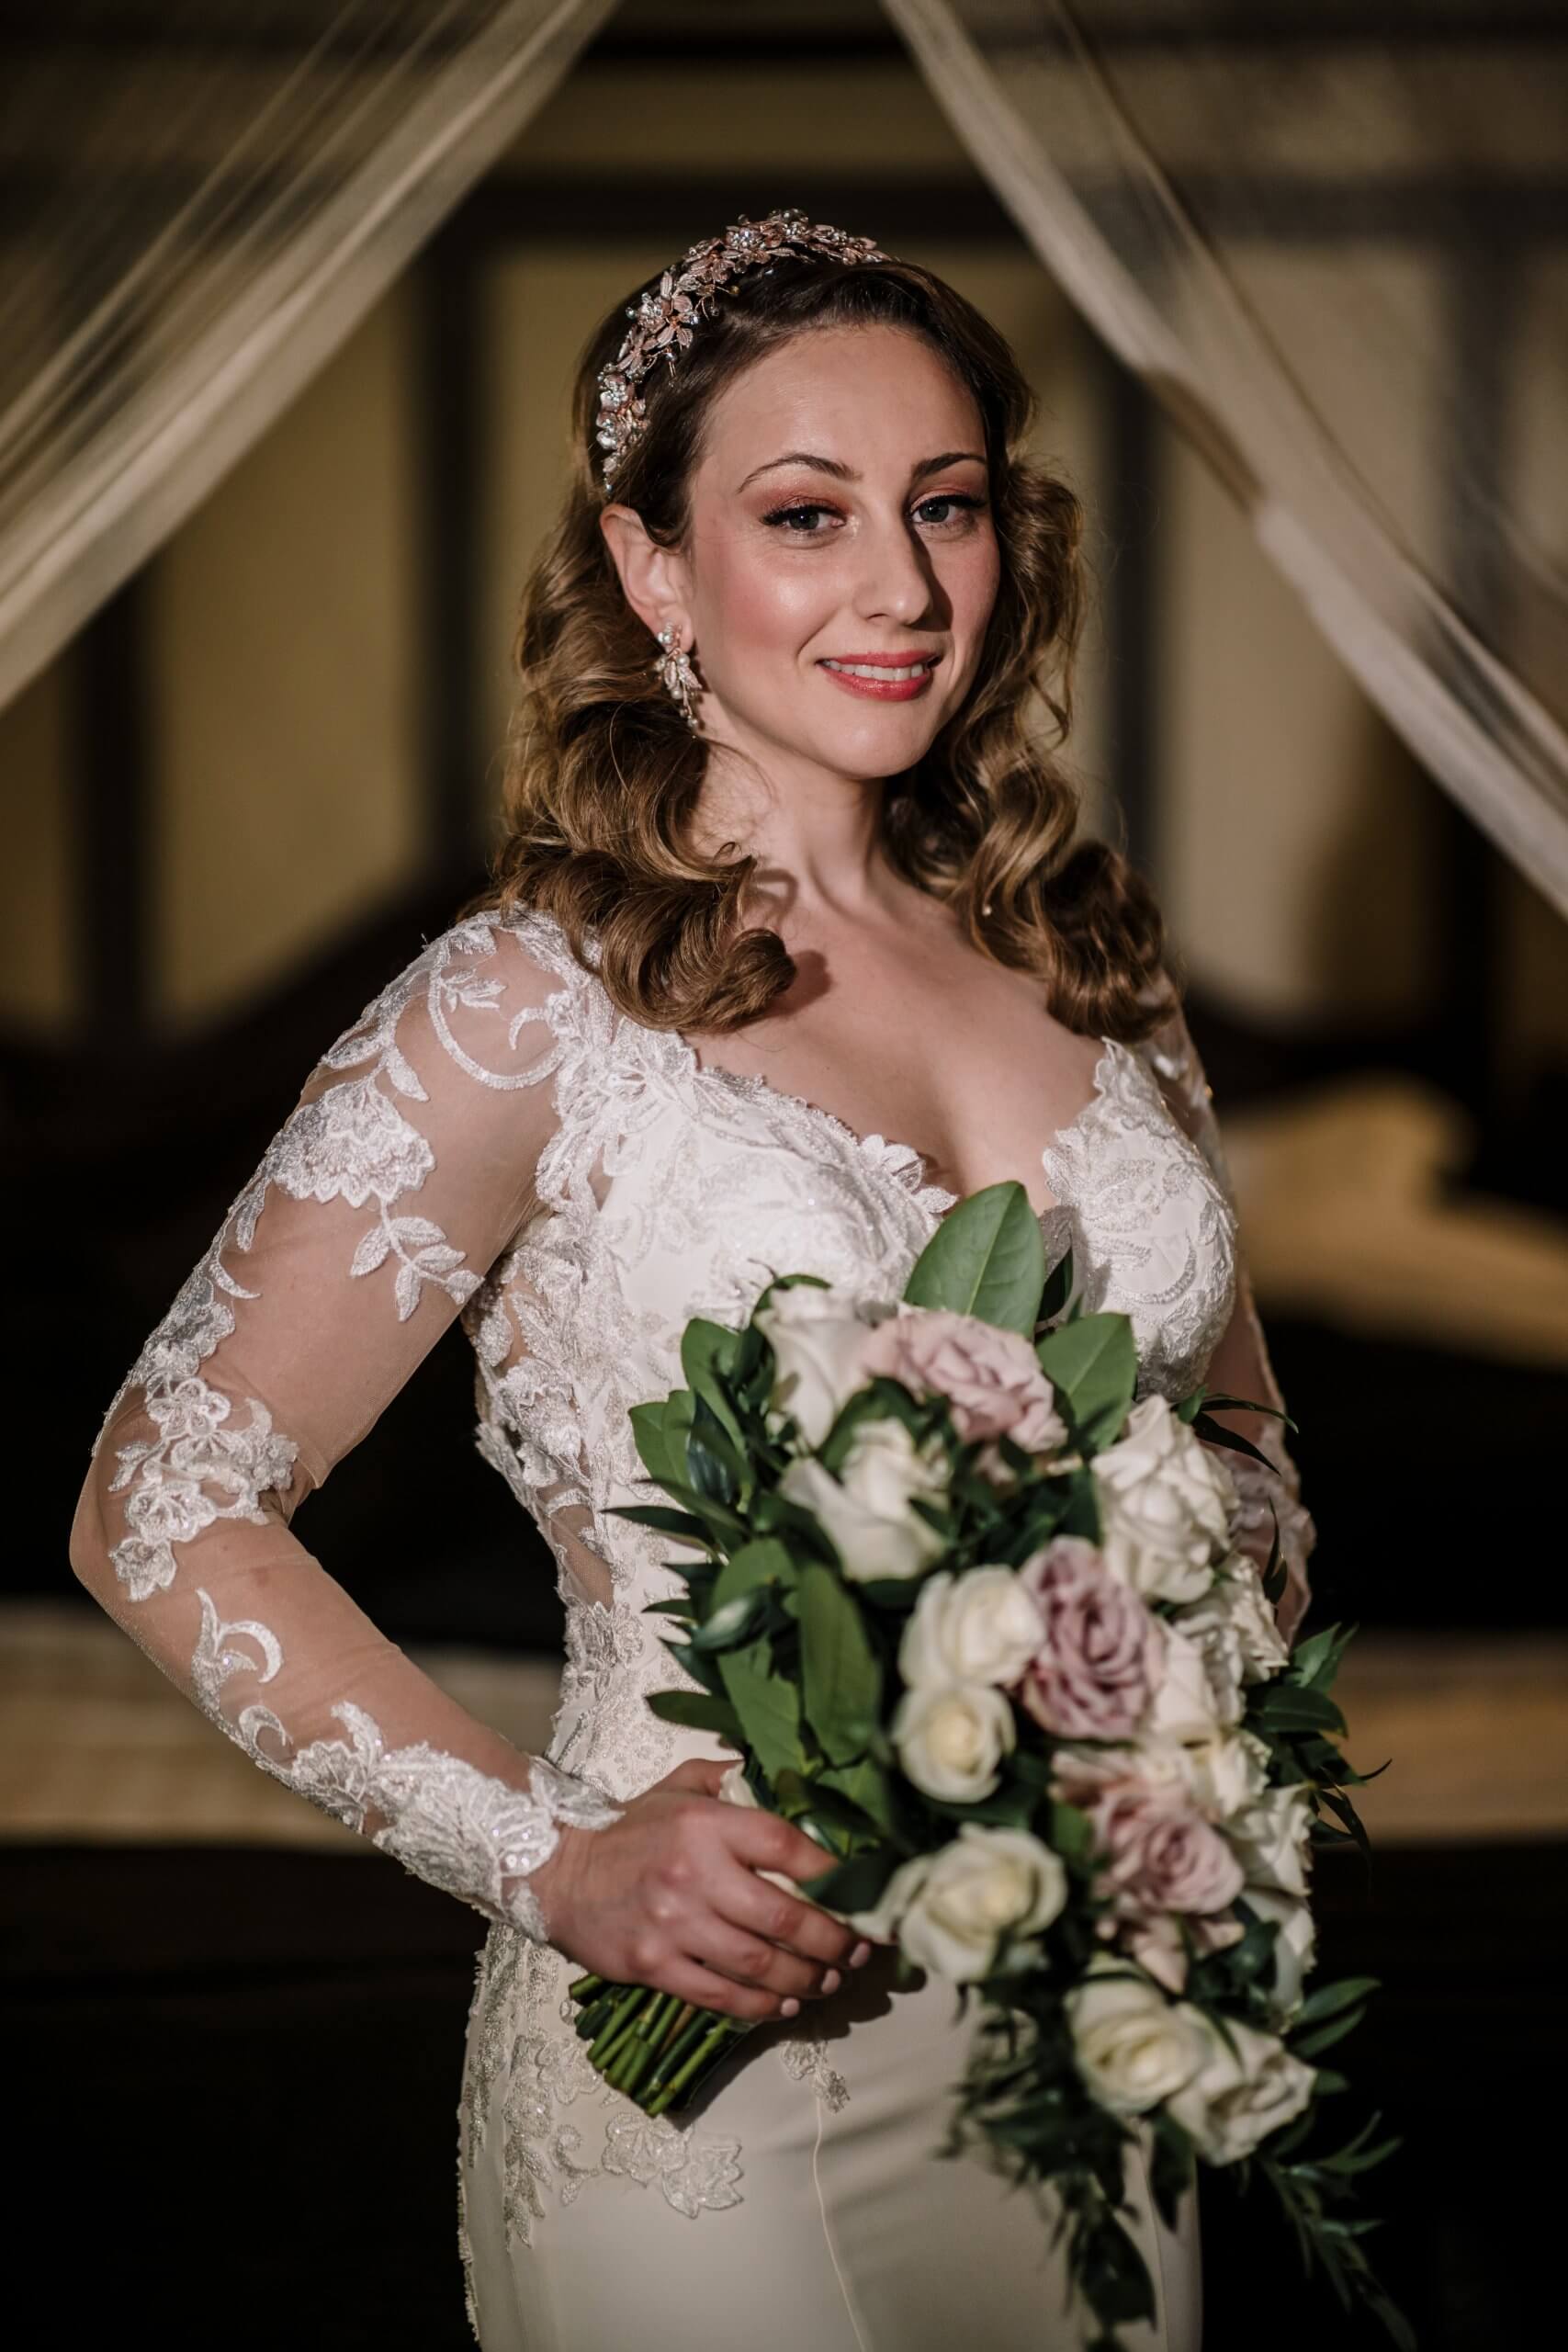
(787, 947)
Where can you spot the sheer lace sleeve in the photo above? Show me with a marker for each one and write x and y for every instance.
(404, 1169)
(1240, 1365)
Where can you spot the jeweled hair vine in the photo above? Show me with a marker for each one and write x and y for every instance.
(662, 322)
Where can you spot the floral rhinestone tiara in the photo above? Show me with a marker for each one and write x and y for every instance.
(662, 323)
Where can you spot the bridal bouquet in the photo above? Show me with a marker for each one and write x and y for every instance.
(970, 1616)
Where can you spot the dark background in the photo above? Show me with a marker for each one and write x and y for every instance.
(234, 2074)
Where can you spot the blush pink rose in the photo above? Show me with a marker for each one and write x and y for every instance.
(1100, 1660)
(1159, 1854)
(991, 1378)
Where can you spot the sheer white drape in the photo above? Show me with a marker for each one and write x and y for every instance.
(204, 200)
(1332, 245)
(1335, 246)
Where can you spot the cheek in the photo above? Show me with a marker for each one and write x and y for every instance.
(758, 605)
(970, 581)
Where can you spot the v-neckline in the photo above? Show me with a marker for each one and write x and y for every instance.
(754, 1085)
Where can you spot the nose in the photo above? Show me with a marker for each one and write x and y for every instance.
(894, 580)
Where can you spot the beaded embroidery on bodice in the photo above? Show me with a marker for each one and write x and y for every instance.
(672, 1189)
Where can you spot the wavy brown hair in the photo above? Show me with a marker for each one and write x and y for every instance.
(604, 774)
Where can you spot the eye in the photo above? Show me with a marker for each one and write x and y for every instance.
(952, 498)
(778, 517)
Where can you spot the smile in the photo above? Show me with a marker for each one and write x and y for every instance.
(886, 681)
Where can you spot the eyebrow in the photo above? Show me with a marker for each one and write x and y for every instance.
(847, 473)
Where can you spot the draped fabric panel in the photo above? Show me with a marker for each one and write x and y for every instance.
(1332, 243)
(197, 205)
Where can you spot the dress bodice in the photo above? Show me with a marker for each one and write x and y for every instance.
(670, 1189)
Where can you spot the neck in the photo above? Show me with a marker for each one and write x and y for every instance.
(817, 835)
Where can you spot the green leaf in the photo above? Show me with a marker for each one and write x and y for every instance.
(987, 1258)
(1058, 1289)
(727, 1524)
(659, 1429)
(715, 1464)
(1286, 1706)
(1171, 2168)
(708, 1355)
(1329, 1999)
(840, 1671)
(1071, 1832)
(701, 1668)
(1276, 1571)
(695, 1711)
(766, 1561)
(1093, 1366)
(661, 1516)
(866, 1784)
(854, 1885)
(1325, 2037)
(830, 1804)
(1315, 1661)
(1309, 1655)
(1214, 1432)
(1012, 1806)
(724, 1626)
(1218, 1404)
(768, 1706)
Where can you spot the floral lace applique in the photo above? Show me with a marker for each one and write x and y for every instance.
(350, 1143)
(193, 1452)
(461, 1829)
(804, 2056)
(1152, 1232)
(540, 2068)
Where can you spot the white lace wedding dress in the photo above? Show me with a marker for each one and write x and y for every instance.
(492, 1139)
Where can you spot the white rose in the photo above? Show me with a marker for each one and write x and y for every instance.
(1295, 1946)
(816, 1337)
(1133, 2047)
(1165, 1504)
(865, 1510)
(951, 1909)
(1183, 1704)
(1236, 2099)
(950, 1738)
(1226, 1773)
(1273, 1839)
(1234, 1625)
(982, 1627)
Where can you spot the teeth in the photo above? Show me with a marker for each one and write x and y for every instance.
(868, 670)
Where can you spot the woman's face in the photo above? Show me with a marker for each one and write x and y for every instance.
(839, 513)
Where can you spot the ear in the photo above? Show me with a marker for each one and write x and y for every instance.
(653, 578)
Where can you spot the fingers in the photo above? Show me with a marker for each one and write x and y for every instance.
(752, 1960)
(746, 1901)
(699, 1773)
(706, 1989)
(765, 1841)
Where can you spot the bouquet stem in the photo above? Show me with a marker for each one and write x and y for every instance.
(655, 2048)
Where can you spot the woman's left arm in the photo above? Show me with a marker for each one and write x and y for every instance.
(1240, 1365)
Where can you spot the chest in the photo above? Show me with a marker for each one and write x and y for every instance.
(954, 1054)
(676, 1188)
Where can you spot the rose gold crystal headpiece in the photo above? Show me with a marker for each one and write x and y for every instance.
(662, 323)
